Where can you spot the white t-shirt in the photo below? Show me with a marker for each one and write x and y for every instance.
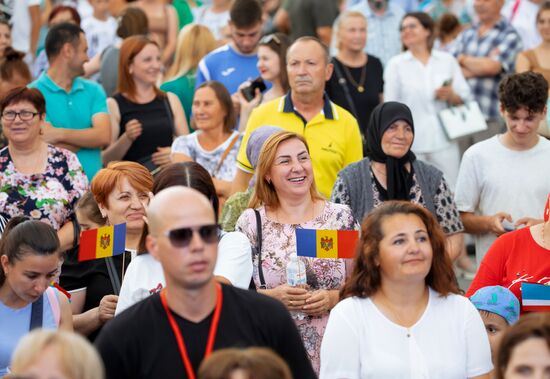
(493, 178)
(524, 21)
(214, 21)
(99, 34)
(449, 341)
(144, 275)
(21, 23)
(409, 81)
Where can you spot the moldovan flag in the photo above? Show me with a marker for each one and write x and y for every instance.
(535, 297)
(317, 243)
(547, 210)
(103, 242)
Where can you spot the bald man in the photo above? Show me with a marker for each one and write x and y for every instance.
(194, 309)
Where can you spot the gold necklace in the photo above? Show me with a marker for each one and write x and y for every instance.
(361, 85)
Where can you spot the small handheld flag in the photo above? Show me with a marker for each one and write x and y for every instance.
(317, 243)
(103, 242)
(535, 297)
(547, 210)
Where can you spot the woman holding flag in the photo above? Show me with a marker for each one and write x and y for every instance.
(121, 191)
(520, 261)
(286, 199)
(30, 256)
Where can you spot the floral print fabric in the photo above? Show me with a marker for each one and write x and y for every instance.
(49, 196)
(278, 242)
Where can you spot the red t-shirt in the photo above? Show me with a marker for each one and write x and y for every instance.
(513, 258)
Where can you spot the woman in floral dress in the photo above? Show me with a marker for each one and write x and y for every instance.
(37, 179)
(286, 198)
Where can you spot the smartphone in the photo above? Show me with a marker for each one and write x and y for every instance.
(447, 83)
(250, 92)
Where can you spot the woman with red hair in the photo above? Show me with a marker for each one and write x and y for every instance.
(144, 119)
(121, 191)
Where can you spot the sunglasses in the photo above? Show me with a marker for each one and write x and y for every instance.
(270, 37)
(181, 237)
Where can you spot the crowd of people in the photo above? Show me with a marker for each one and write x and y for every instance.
(217, 131)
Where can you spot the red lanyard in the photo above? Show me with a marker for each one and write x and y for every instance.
(179, 337)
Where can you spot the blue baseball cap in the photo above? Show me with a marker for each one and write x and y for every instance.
(498, 300)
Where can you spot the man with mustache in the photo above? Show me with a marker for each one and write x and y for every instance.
(331, 132)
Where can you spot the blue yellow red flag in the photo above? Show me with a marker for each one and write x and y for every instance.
(103, 242)
(318, 243)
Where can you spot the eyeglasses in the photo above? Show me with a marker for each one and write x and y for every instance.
(181, 237)
(409, 26)
(270, 37)
(23, 115)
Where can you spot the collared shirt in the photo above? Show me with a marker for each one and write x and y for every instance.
(332, 135)
(74, 110)
(502, 43)
(383, 37)
(409, 81)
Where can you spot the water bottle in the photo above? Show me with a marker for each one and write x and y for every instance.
(295, 276)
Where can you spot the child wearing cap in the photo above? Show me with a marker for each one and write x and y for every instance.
(498, 308)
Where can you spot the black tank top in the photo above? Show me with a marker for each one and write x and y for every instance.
(156, 123)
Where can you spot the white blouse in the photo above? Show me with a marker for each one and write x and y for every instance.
(449, 341)
(409, 81)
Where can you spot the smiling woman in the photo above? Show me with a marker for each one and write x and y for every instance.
(400, 297)
(144, 119)
(285, 199)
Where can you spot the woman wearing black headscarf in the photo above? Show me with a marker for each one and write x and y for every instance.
(391, 171)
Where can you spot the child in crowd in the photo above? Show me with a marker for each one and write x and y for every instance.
(499, 309)
(100, 28)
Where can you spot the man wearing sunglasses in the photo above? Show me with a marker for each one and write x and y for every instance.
(168, 334)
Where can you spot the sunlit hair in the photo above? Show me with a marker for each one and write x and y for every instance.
(366, 277)
(131, 47)
(76, 357)
(224, 97)
(532, 325)
(257, 362)
(194, 42)
(341, 20)
(88, 205)
(107, 179)
(265, 192)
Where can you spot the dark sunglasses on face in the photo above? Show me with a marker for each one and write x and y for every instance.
(181, 237)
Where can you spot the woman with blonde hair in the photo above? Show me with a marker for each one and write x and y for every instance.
(194, 42)
(59, 354)
(285, 199)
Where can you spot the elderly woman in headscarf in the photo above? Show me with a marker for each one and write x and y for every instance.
(391, 171)
(237, 203)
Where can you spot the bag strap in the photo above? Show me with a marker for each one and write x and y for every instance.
(225, 154)
(344, 84)
(259, 248)
(168, 109)
(113, 275)
(37, 310)
(54, 304)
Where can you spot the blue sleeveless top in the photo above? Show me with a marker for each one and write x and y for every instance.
(14, 324)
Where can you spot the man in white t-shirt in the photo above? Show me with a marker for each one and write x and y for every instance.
(503, 182)
(25, 20)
